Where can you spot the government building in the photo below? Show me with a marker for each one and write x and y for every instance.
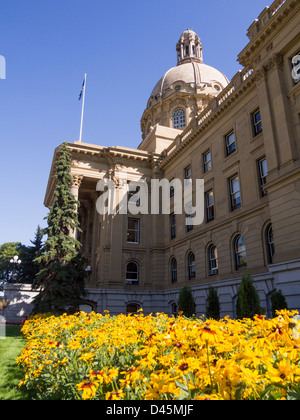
(242, 137)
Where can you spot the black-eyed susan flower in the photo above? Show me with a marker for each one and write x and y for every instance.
(88, 389)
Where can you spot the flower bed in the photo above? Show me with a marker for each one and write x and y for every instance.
(137, 357)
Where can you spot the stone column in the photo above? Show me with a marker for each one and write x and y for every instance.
(271, 146)
(283, 181)
(76, 182)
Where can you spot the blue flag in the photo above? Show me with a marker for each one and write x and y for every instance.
(82, 87)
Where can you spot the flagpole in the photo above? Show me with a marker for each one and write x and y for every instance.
(82, 110)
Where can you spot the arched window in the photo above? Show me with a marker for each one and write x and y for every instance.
(174, 308)
(132, 273)
(213, 260)
(132, 308)
(174, 270)
(240, 253)
(191, 266)
(270, 244)
(178, 118)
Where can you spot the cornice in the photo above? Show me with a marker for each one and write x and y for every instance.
(93, 153)
(278, 15)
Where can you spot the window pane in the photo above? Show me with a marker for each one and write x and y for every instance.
(235, 185)
(191, 266)
(132, 273)
(257, 125)
(230, 143)
(207, 161)
(172, 226)
(174, 270)
(133, 224)
(133, 231)
(213, 260)
(263, 172)
(172, 188)
(263, 168)
(188, 172)
(131, 237)
(178, 118)
(235, 193)
(240, 253)
(270, 244)
(210, 214)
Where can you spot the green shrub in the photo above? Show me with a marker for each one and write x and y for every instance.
(186, 303)
(213, 304)
(248, 302)
(278, 301)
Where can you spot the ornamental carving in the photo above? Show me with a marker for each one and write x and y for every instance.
(76, 180)
(275, 61)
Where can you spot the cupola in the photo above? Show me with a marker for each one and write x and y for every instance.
(189, 48)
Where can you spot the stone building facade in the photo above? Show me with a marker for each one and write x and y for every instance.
(242, 137)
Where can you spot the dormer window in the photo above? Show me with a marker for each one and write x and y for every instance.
(177, 88)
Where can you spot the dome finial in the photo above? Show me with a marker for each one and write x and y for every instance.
(189, 48)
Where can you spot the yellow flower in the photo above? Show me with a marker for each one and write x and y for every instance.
(114, 395)
(282, 373)
(88, 389)
(87, 357)
(74, 344)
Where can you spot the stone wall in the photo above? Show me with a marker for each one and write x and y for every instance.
(284, 277)
(20, 297)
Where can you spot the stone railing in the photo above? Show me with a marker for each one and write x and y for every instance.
(238, 79)
(264, 18)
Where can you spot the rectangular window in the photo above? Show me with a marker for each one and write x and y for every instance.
(188, 174)
(230, 143)
(263, 172)
(188, 217)
(256, 123)
(134, 196)
(172, 188)
(189, 227)
(210, 209)
(133, 231)
(172, 226)
(207, 161)
(235, 196)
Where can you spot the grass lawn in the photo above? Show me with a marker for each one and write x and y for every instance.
(10, 373)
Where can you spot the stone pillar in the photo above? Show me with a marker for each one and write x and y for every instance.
(283, 181)
(282, 110)
(269, 133)
(76, 182)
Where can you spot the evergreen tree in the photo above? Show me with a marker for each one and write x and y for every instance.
(29, 267)
(186, 302)
(278, 301)
(213, 304)
(61, 277)
(248, 302)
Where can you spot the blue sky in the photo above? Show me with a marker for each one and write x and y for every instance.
(124, 47)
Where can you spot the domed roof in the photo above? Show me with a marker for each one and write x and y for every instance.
(194, 73)
(190, 67)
